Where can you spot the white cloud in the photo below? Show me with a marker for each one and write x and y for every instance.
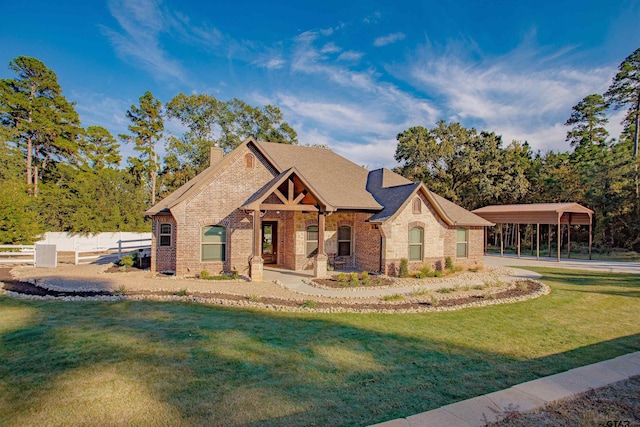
(388, 39)
(511, 94)
(272, 64)
(141, 23)
(330, 48)
(350, 56)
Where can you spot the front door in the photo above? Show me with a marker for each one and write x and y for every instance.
(270, 242)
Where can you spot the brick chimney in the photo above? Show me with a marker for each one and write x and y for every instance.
(215, 156)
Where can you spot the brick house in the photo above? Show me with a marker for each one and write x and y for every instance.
(302, 208)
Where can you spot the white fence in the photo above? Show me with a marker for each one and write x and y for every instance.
(20, 254)
(66, 242)
(110, 252)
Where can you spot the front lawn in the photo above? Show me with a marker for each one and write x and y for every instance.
(151, 363)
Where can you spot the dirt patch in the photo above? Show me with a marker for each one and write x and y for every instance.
(615, 405)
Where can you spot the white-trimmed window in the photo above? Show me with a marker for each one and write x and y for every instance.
(214, 243)
(164, 236)
(344, 240)
(312, 240)
(416, 242)
(462, 242)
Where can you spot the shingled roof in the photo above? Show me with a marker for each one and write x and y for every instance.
(394, 191)
(339, 182)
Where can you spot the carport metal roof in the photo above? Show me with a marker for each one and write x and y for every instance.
(539, 213)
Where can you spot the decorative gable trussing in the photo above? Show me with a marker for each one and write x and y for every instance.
(288, 191)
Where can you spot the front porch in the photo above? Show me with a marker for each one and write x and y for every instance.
(289, 226)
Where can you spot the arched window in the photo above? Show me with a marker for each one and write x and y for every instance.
(417, 205)
(165, 235)
(344, 240)
(248, 161)
(416, 241)
(214, 243)
(312, 240)
(462, 242)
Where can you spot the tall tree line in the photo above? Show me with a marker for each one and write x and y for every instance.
(474, 168)
(58, 176)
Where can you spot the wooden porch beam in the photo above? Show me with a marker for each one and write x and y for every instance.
(299, 198)
(272, 207)
(280, 196)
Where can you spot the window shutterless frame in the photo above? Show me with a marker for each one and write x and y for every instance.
(213, 243)
(164, 237)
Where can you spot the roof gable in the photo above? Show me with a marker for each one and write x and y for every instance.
(291, 200)
(337, 180)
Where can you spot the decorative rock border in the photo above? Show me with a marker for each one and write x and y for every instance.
(272, 305)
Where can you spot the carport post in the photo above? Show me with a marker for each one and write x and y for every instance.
(549, 240)
(538, 241)
(501, 241)
(518, 231)
(590, 238)
(569, 237)
(559, 233)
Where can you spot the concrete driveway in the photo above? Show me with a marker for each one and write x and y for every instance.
(573, 264)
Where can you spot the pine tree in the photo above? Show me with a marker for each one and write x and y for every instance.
(43, 124)
(147, 127)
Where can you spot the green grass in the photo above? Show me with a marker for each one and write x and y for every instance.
(152, 363)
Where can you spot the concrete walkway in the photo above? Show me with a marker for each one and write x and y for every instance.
(296, 281)
(574, 264)
(525, 397)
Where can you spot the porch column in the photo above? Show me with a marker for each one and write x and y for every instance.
(501, 242)
(256, 264)
(549, 240)
(320, 268)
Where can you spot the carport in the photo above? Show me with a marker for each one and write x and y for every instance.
(558, 214)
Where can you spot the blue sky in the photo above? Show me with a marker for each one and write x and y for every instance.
(348, 74)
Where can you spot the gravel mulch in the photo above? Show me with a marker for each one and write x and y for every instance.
(617, 405)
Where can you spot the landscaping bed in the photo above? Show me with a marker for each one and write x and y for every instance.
(440, 300)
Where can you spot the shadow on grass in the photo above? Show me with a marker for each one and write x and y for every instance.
(618, 284)
(221, 366)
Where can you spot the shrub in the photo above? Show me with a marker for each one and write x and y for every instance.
(254, 298)
(354, 280)
(342, 277)
(437, 273)
(404, 267)
(309, 304)
(204, 274)
(448, 263)
(122, 290)
(523, 286)
(126, 261)
(434, 301)
(424, 272)
(364, 277)
(420, 292)
(394, 297)
(444, 290)
(182, 293)
(479, 287)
